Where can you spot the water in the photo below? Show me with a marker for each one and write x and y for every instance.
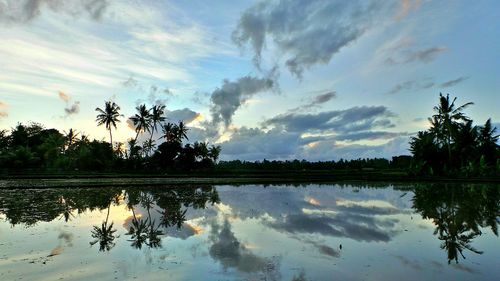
(252, 232)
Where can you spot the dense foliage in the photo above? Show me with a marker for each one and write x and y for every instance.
(454, 146)
(32, 147)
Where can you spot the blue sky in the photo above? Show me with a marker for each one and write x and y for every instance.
(316, 80)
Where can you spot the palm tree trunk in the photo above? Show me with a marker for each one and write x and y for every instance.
(111, 139)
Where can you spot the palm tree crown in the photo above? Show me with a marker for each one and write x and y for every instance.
(142, 120)
(109, 117)
(157, 117)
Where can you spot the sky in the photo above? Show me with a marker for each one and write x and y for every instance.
(316, 80)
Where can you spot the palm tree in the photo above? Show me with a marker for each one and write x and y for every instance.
(157, 117)
(182, 131)
(148, 146)
(142, 119)
(488, 143)
(70, 138)
(447, 119)
(214, 152)
(108, 117)
(169, 131)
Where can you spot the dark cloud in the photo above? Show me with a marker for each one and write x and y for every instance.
(454, 82)
(228, 98)
(422, 55)
(19, 11)
(70, 108)
(319, 99)
(307, 32)
(348, 120)
(316, 136)
(255, 144)
(412, 85)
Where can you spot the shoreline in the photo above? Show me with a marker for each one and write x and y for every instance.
(83, 181)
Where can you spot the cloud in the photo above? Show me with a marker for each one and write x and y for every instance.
(422, 55)
(255, 144)
(20, 11)
(348, 120)
(228, 98)
(369, 135)
(328, 150)
(3, 110)
(307, 33)
(412, 85)
(454, 82)
(70, 109)
(406, 6)
(318, 100)
(64, 96)
(186, 115)
(321, 136)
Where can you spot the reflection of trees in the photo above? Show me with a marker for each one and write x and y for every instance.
(459, 213)
(171, 203)
(28, 207)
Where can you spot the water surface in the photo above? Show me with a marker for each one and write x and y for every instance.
(252, 232)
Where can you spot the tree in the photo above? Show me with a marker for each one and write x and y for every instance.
(447, 120)
(108, 117)
(70, 138)
(142, 120)
(157, 118)
(488, 146)
(169, 131)
(182, 131)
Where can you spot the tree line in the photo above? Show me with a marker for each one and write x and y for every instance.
(33, 147)
(452, 145)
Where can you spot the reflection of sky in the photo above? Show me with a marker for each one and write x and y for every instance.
(272, 233)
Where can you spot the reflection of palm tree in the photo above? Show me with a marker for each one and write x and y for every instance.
(105, 234)
(173, 218)
(143, 231)
(138, 231)
(108, 117)
(459, 213)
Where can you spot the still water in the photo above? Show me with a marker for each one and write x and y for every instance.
(252, 232)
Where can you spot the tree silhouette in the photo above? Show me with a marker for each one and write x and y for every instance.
(447, 119)
(157, 112)
(142, 120)
(109, 117)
